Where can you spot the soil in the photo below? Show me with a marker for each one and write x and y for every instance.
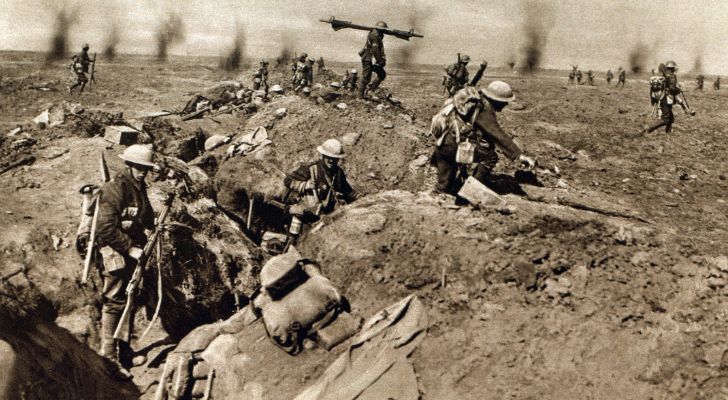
(604, 278)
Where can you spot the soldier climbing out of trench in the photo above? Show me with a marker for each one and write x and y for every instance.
(318, 188)
(124, 214)
(468, 124)
(373, 51)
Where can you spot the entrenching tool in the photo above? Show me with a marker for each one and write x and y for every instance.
(121, 333)
(338, 24)
(104, 170)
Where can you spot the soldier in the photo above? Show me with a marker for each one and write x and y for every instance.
(295, 63)
(373, 50)
(700, 80)
(309, 71)
(578, 77)
(303, 73)
(470, 116)
(716, 83)
(124, 214)
(457, 75)
(79, 65)
(590, 77)
(321, 65)
(260, 79)
(610, 75)
(350, 80)
(622, 77)
(671, 94)
(318, 188)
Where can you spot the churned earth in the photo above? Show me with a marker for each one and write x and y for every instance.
(603, 278)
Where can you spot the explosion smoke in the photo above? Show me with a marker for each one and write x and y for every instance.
(405, 52)
(59, 42)
(638, 57)
(698, 64)
(536, 25)
(285, 56)
(112, 40)
(170, 33)
(234, 59)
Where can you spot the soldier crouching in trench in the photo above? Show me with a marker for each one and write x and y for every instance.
(471, 117)
(124, 214)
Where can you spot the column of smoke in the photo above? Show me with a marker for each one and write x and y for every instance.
(112, 40)
(537, 24)
(638, 57)
(404, 55)
(234, 59)
(285, 55)
(65, 19)
(698, 64)
(170, 33)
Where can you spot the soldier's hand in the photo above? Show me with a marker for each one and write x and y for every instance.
(135, 253)
(527, 163)
(382, 63)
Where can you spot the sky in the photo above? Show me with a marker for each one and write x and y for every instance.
(595, 35)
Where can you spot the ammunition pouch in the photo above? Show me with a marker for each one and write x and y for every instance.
(112, 260)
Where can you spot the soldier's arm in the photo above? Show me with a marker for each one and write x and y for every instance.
(377, 47)
(488, 123)
(109, 220)
(296, 180)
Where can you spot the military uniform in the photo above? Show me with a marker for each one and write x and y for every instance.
(124, 214)
(668, 98)
(80, 64)
(578, 77)
(457, 77)
(716, 84)
(700, 80)
(302, 75)
(373, 50)
(590, 78)
(622, 78)
(349, 81)
(321, 65)
(610, 75)
(332, 188)
(261, 78)
(449, 130)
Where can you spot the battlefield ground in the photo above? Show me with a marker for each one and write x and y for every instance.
(605, 277)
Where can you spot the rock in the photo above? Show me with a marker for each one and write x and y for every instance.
(561, 184)
(515, 106)
(350, 138)
(336, 85)
(371, 223)
(624, 236)
(387, 125)
(342, 106)
(557, 287)
(640, 257)
(716, 283)
(121, 134)
(478, 194)
(317, 86)
(277, 89)
(720, 262)
(507, 209)
(216, 141)
(380, 107)
(406, 117)
(419, 162)
(281, 112)
(56, 242)
(15, 131)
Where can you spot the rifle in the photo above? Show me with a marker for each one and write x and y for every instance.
(338, 24)
(479, 74)
(104, 170)
(120, 333)
(92, 79)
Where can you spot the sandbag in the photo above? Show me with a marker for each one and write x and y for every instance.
(283, 273)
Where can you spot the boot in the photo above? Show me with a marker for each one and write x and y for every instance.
(108, 347)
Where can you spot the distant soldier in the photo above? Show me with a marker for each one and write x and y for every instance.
(578, 77)
(373, 50)
(260, 79)
(700, 80)
(318, 188)
(590, 77)
(302, 74)
(652, 72)
(79, 65)
(309, 76)
(321, 65)
(457, 75)
(350, 80)
(622, 77)
(124, 214)
(295, 63)
(610, 76)
(716, 83)
(572, 76)
(470, 116)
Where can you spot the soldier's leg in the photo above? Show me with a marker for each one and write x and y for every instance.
(446, 170)
(486, 158)
(366, 76)
(381, 75)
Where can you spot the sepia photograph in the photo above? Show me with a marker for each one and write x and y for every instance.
(363, 200)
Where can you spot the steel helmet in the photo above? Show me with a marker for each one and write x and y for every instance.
(332, 148)
(140, 155)
(85, 46)
(465, 96)
(671, 64)
(306, 90)
(499, 91)
(304, 55)
(465, 59)
(311, 60)
(353, 71)
(264, 61)
(381, 24)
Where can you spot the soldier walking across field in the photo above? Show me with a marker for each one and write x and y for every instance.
(260, 78)
(578, 77)
(318, 188)
(671, 94)
(470, 116)
(590, 77)
(622, 77)
(699, 81)
(610, 76)
(373, 60)
(716, 83)
(321, 65)
(124, 215)
(79, 65)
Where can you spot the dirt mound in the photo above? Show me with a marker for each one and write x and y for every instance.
(42, 361)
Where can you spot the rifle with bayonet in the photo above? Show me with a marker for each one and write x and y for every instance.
(122, 331)
(92, 79)
(338, 24)
(90, 249)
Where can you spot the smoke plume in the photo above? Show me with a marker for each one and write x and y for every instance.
(65, 19)
(283, 60)
(234, 59)
(112, 40)
(170, 33)
(537, 24)
(698, 64)
(638, 57)
(405, 53)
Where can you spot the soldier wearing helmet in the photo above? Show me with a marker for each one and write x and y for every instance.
(457, 75)
(610, 76)
(671, 94)
(470, 116)
(350, 79)
(373, 51)
(303, 73)
(622, 77)
(317, 188)
(716, 83)
(124, 214)
(260, 78)
(321, 65)
(79, 65)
